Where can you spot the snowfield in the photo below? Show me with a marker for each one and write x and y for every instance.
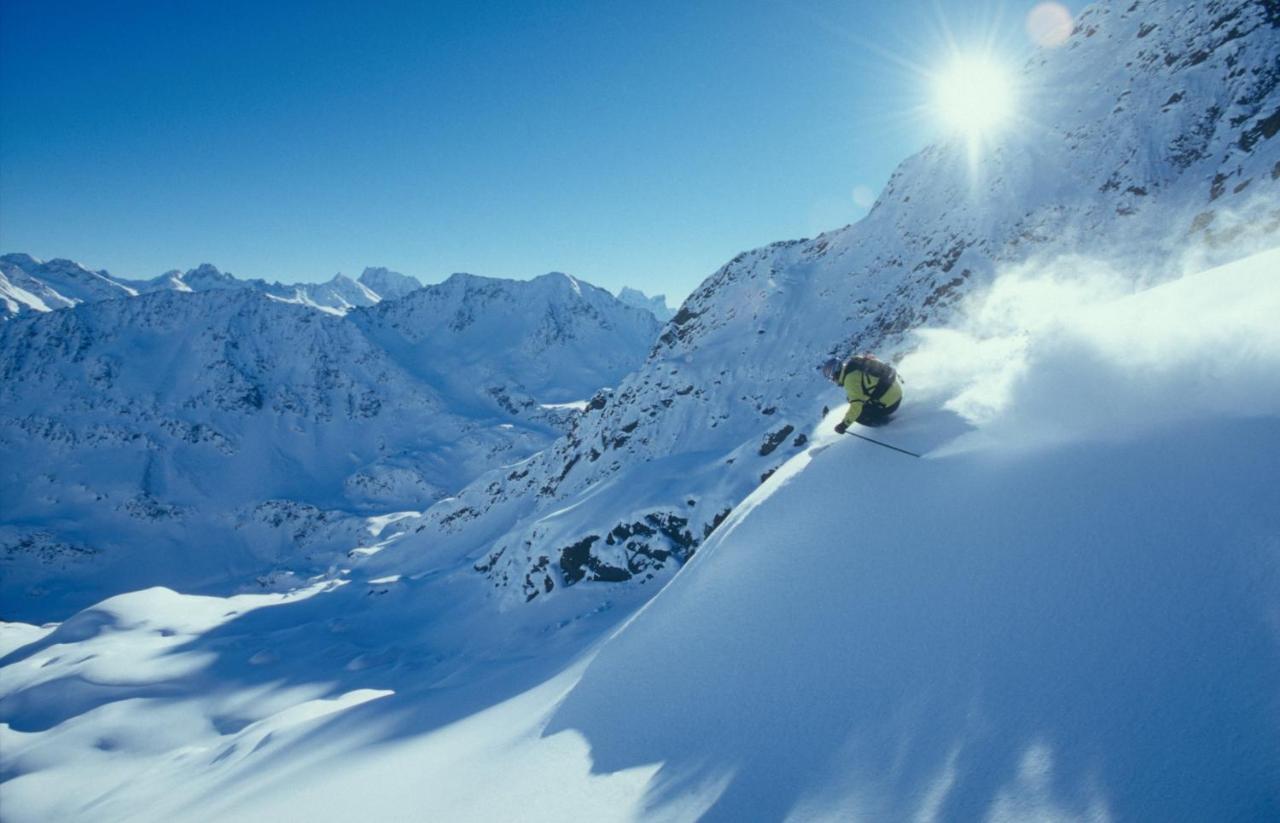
(1066, 610)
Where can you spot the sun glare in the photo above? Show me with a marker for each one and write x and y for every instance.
(974, 95)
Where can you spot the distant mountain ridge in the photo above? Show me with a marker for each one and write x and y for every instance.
(29, 284)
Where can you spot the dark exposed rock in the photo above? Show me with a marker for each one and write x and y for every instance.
(776, 439)
(577, 562)
(532, 586)
(489, 561)
(650, 543)
(684, 316)
(715, 523)
(1264, 129)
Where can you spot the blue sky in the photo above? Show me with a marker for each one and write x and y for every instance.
(640, 143)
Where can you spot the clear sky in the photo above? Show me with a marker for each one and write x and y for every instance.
(641, 143)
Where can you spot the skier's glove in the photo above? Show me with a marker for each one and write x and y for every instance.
(841, 427)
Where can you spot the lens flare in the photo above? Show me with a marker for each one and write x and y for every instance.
(1049, 25)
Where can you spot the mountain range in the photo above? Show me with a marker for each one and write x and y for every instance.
(149, 438)
(28, 284)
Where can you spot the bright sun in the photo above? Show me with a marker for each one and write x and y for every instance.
(974, 95)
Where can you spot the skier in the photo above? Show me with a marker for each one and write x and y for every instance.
(872, 387)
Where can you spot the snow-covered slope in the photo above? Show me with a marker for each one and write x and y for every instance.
(154, 440)
(1148, 140)
(1068, 613)
(656, 304)
(1065, 610)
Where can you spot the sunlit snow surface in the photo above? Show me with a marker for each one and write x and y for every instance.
(1068, 609)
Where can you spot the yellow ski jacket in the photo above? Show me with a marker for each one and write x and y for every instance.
(858, 386)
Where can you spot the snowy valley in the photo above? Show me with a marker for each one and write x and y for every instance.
(217, 439)
(376, 561)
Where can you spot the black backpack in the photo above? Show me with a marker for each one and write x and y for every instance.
(871, 367)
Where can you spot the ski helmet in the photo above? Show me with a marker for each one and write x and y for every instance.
(831, 369)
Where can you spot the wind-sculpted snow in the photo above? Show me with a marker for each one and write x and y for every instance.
(1148, 140)
(143, 435)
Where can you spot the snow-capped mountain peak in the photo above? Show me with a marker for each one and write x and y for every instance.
(207, 276)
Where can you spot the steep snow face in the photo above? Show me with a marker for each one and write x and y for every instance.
(553, 337)
(657, 304)
(388, 284)
(1014, 627)
(1065, 610)
(28, 284)
(1148, 140)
